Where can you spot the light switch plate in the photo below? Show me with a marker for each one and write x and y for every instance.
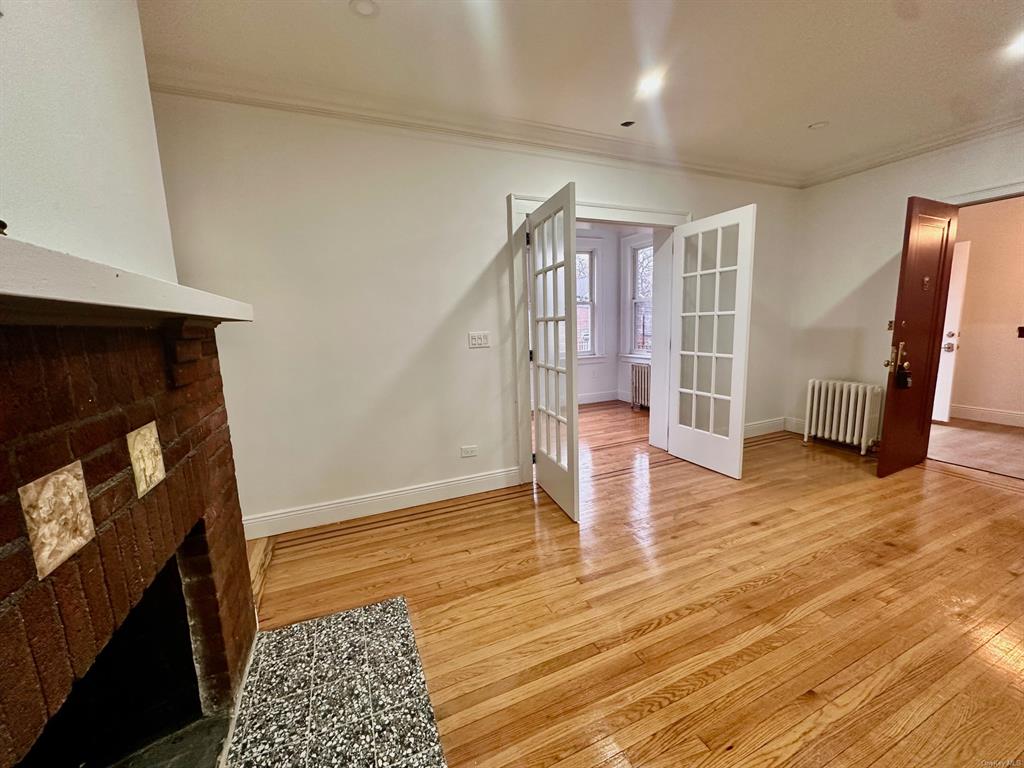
(479, 339)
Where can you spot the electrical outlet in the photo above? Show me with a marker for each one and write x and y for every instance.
(468, 451)
(479, 339)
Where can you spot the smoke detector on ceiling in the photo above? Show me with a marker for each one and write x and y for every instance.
(364, 8)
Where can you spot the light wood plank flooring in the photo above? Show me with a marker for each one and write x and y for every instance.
(808, 615)
(978, 444)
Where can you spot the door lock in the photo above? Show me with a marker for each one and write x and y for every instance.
(896, 356)
(950, 334)
(949, 346)
(899, 366)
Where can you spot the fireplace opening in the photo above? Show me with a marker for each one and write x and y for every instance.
(141, 688)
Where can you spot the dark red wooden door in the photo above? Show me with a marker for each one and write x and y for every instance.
(920, 310)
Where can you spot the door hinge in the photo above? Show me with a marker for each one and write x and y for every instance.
(527, 238)
(531, 355)
(534, 459)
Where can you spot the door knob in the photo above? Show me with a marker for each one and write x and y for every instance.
(949, 346)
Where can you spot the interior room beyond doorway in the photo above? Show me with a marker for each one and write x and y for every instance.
(614, 308)
(978, 419)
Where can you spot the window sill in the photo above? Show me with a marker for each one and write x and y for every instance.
(590, 359)
(634, 358)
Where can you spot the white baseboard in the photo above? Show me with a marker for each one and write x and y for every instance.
(626, 397)
(991, 415)
(763, 427)
(794, 425)
(597, 397)
(311, 515)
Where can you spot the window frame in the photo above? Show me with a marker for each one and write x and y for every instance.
(591, 252)
(631, 247)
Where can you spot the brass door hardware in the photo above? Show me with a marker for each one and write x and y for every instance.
(896, 358)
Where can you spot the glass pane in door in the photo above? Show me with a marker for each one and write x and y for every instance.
(709, 250)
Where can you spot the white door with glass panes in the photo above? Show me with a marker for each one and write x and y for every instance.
(712, 268)
(553, 308)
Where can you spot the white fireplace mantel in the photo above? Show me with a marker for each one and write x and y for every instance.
(41, 285)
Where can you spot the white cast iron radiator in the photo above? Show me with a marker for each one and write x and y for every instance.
(845, 411)
(640, 376)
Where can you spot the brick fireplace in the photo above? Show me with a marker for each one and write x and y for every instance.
(72, 394)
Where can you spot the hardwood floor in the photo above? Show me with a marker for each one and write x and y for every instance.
(808, 615)
(258, 553)
(989, 447)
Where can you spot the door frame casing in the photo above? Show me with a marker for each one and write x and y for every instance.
(517, 207)
(960, 267)
(961, 200)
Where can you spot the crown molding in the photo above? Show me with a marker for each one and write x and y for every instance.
(937, 142)
(542, 136)
(521, 133)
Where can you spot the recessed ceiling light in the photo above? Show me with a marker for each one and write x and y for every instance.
(364, 8)
(1015, 50)
(819, 125)
(628, 123)
(650, 84)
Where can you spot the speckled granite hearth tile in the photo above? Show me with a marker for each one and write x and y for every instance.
(432, 758)
(338, 626)
(285, 641)
(404, 732)
(338, 652)
(383, 648)
(348, 746)
(395, 682)
(283, 676)
(292, 755)
(341, 691)
(279, 721)
(388, 616)
(343, 700)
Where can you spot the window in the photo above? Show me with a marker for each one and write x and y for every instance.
(642, 274)
(585, 303)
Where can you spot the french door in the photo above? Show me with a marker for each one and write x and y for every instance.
(551, 229)
(713, 260)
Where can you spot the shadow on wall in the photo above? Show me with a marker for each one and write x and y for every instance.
(445, 349)
(850, 340)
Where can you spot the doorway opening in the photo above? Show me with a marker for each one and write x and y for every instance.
(614, 343)
(690, 312)
(957, 354)
(978, 413)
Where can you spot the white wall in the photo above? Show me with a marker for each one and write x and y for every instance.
(79, 168)
(842, 289)
(597, 376)
(988, 384)
(371, 252)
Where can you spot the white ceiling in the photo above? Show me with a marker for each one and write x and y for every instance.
(744, 77)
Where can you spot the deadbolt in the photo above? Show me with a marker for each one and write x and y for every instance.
(950, 334)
